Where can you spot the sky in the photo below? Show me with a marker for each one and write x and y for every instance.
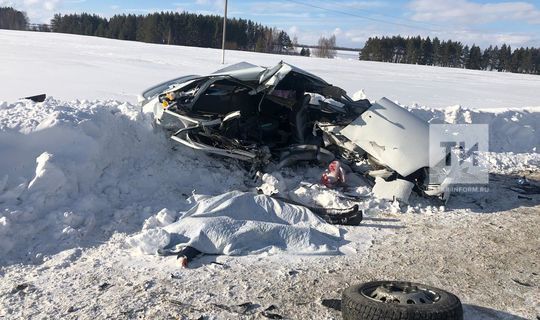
(480, 22)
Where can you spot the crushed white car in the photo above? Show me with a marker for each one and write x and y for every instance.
(285, 115)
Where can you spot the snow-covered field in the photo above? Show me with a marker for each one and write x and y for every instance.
(74, 67)
(87, 183)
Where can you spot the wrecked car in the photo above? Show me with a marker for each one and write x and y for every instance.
(284, 115)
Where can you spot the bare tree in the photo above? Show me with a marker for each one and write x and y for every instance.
(295, 44)
(326, 47)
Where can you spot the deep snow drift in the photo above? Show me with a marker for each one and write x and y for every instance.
(73, 173)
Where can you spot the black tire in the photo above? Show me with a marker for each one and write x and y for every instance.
(357, 304)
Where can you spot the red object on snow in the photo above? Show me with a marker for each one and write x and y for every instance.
(334, 176)
(183, 262)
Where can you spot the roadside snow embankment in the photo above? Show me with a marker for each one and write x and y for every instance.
(515, 131)
(72, 173)
(514, 135)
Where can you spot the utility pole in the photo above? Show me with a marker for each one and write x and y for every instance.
(224, 32)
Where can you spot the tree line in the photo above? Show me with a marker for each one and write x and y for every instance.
(417, 50)
(12, 19)
(187, 29)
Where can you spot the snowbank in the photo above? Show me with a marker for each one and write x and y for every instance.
(73, 173)
(514, 134)
(515, 130)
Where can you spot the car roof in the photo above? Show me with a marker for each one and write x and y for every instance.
(245, 71)
(242, 71)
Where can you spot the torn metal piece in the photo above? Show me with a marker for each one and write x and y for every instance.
(392, 135)
(393, 190)
(383, 173)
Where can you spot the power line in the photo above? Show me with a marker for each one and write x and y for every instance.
(468, 29)
(363, 17)
(387, 15)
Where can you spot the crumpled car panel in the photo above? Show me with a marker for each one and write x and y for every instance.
(391, 134)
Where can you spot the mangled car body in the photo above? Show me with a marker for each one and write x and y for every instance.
(284, 115)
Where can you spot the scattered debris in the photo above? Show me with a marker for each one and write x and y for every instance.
(148, 284)
(248, 307)
(521, 283)
(23, 288)
(524, 186)
(184, 254)
(176, 276)
(222, 265)
(183, 305)
(104, 286)
(37, 98)
(394, 190)
(293, 273)
(348, 216)
(73, 309)
(334, 175)
(332, 303)
(187, 254)
(243, 309)
(269, 314)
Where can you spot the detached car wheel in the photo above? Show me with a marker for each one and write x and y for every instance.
(399, 300)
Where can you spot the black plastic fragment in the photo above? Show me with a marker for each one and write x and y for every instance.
(37, 98)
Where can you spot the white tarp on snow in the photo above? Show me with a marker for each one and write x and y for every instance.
(237, 223)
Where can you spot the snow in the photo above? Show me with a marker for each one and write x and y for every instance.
(76, 172)
(346, 54)
(76, 67)
(86, 174)
(81, 170)
(509, 130)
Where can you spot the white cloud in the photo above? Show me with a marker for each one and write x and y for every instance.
(464, 11)
(362, 4)
(38, 11)
(293, 30)
(304, 36)
(213, 3)
(273, 6)
(485, 39)
(302, 15)
(311, 36)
